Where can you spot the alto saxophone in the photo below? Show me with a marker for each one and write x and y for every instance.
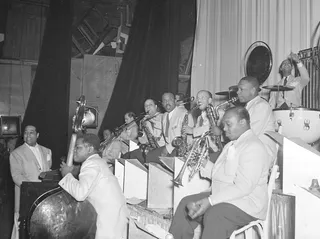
(213, 116)
(153, 143)
(180, 142)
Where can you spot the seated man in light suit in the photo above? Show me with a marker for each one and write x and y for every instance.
(97, 184)
(238, 192)
(172, 122)
(26, 164)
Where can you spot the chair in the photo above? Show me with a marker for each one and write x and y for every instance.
(262, 225)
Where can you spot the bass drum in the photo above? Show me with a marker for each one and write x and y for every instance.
(300, 123)
(57, 215)
(258, 61)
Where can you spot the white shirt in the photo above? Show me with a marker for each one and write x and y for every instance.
(261, 121)
(240, 175)
(293, 96)
(36, 151)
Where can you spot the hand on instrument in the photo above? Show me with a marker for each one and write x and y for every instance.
(65, 169)
(196, 209)
(188, 130)
(164, 152)
(215, 130)
(294, 57)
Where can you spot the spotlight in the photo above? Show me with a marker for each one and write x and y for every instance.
(10, 126)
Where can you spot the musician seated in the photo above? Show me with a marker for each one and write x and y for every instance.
(261, 114)
(204, 98)
(113, 149)
(179, 97)
(172, 121)
(151, 132)
(131, 131)
(97, 184)
(239, 185)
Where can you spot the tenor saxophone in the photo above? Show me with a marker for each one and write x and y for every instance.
(213, 116)
(153, 143)
(180, 142)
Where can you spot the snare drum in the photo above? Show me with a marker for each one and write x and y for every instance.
(299, 122)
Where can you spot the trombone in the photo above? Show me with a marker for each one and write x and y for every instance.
(117, 131)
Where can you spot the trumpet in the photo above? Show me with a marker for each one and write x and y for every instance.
(195, 159)
(119, 130)
(186, 100)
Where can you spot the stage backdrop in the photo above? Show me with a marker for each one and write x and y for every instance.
(226, 28)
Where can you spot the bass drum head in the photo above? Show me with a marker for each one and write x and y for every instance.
(258, 61)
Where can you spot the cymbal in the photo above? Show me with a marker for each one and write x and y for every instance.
(278, 87)
(231, 93)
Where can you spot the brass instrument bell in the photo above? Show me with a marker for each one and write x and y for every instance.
(314, 185)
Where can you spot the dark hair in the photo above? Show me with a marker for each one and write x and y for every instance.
(253, 81)
(154, 101)
(131, 114)
(241, 112)
(91, 139)
(180, 95)
(169, 93)
(31, 126)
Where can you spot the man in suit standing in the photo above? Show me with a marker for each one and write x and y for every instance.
(26, 164)
(97, 184)
(172, 122)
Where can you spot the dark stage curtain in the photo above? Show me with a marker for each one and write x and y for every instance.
(151, 59)
(48, 104)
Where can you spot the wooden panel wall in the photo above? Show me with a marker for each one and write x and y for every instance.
(24, 31)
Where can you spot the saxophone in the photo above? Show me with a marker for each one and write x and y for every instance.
(180, 142)
(153, 143)
(213, 116)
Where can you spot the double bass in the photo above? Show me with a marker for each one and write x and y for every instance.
(56, 214)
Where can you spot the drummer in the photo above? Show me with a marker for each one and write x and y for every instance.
(261, 114)
(292, 98)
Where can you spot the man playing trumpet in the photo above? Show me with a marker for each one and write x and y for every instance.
(204, 99)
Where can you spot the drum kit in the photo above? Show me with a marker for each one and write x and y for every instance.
(295, 122)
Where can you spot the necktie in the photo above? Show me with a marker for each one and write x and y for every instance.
(285, 81)
(201, 121)
(167, 126)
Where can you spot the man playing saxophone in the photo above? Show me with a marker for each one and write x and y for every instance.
(204, 99)
(172, 121)
(151, 131)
